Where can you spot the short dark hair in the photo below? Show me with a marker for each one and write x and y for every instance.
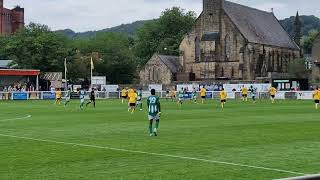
(153, 92)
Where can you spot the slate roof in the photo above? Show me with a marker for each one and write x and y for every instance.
(4, 64)
(172, 62)
(258, 26)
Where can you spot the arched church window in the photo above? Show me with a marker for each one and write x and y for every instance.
(222, 72)
(151, 74)
(197, 49)
(155, 74)
(228, 45)
(232, 72)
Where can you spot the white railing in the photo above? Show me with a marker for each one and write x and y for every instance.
(47, 95)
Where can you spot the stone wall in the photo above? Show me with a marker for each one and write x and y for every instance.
(316, 57)
(155, 72)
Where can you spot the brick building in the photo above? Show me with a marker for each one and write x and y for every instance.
(230, 41)
(11, 20)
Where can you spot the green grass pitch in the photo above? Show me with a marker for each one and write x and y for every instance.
(67, 143)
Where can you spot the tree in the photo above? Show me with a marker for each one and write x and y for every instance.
(163, 35)
(117, 61)
(297, 69)
(308, 41)
(36, 47)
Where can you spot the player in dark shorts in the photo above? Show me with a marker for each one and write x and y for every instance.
(92, 98)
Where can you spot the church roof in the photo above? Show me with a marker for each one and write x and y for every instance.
(172, 62)
(258, 26)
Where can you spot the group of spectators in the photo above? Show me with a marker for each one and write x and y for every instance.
(18, 87)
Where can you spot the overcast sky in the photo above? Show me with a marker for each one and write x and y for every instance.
(84, 15)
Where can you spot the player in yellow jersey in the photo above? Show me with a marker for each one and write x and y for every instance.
(316, 97)
(58, 96)
(272, 92)
(223, 97)
(132, 101)
(203, 94)
(124, 94)
(244, 92)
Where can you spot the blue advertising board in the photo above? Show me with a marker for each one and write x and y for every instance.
(49, 95)
(19, 96)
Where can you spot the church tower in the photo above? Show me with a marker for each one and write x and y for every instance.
(297, 30)
(1, 4)
(212, 10)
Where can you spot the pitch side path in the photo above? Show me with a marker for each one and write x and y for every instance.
(39, 140)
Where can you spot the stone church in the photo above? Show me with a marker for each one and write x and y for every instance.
(230, 41)
(316, 60)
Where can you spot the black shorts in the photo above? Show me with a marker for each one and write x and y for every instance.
(58, 99)
(273, 96)
(132, 104)
(244, 95)
(124, 97)
(203, 97)
(92, 99)
(223, 100)
(317, 101)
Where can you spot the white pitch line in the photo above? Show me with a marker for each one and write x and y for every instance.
(155, 154)
(19, 118)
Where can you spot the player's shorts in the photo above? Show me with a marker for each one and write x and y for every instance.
(92, 99)
(273, 96)
(224, 100)
(68, 98)
(203, 97)
(156, 117)
(81, 101)
(124, 97)
(132, 104)
(58, 98)
(180, 99)
(244, 95)
(317, 101)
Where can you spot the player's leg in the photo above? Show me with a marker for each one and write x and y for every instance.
(155, 130)
(317, 104)
(150, 125)
(94, 103)
(140, 105)
(273, 99)
(222, 104)
(66, 102)
(81, 103)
